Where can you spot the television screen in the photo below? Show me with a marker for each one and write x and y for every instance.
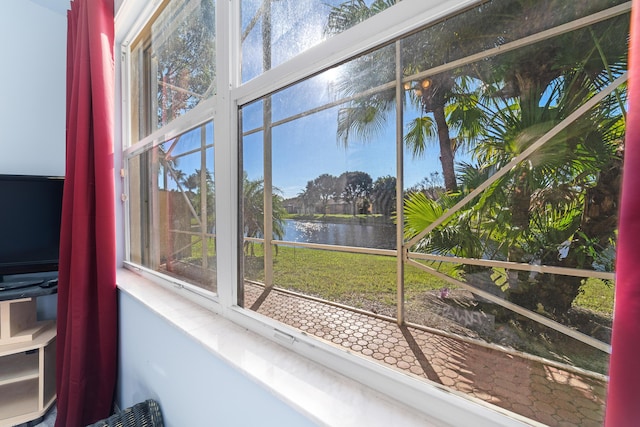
(30, 213)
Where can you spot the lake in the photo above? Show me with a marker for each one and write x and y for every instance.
(366, 235)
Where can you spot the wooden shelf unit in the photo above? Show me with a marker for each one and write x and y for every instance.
(27, 363)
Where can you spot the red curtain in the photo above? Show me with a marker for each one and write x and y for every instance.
(87, 304)
(623, 400)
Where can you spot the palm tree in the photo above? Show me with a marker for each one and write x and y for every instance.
(447, 103)
(445, 100)
(556, 186)
(562, 196)
(253, 212)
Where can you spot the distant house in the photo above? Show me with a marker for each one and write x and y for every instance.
(337, 207)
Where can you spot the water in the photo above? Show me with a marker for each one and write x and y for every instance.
(378, 236)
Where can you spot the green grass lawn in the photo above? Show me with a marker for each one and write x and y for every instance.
(336, 276)
(331, 275)
(596, 295)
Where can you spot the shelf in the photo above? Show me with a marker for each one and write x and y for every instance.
(16, 317)
(49, 376)
(18, 367)
(18, 399)
(27, 363)
(47, 333)
(18, 321)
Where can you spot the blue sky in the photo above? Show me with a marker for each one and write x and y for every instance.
(308, 147)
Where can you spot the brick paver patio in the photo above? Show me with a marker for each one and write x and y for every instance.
(549, 393)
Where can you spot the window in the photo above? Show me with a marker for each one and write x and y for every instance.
(172, 205)
(491, 143)
(173, 65)
(171, 196)
(429, 190)
(276, 31)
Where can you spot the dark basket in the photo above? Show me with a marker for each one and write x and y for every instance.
(144, 414)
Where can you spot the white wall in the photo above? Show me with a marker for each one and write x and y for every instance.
(33, 37)
(192, 386)
(33, 42)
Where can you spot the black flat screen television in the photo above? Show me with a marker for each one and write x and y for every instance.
(30, 213)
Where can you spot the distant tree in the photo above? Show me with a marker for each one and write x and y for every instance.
(191, 182)
(355, 188)
(307, 198)
(431, 186)
(326, 188)
(319, 191)
(383, 194)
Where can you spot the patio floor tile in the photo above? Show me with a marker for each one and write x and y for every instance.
(546, 392)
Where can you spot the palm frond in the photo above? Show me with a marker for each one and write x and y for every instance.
(418, 133)
(362, 120)
(352, 12)
(419, 213)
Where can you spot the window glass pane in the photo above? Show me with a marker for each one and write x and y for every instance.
(474, 31)
(274, 31)
(551, 212)
(137, 106)
(557, 368)
(172, 202)
(512, 146)
(318, 176)
(312, 272)
(326, 191)
(173, 65)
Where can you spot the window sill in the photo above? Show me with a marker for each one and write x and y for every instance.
(320, 393)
